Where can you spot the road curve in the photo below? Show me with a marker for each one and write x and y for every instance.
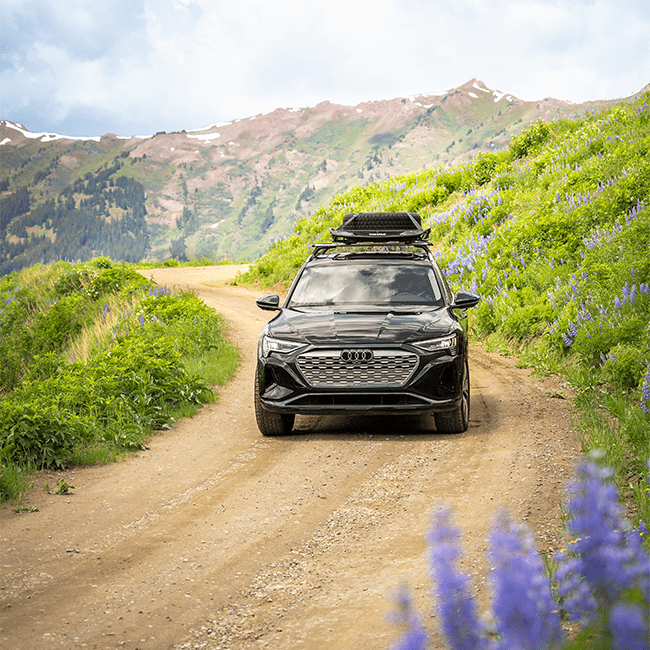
(215, 537)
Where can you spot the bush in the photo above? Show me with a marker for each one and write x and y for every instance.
(137, 349)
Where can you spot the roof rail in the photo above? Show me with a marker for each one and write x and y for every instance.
(380, 227)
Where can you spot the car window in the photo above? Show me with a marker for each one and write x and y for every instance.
(366, 284)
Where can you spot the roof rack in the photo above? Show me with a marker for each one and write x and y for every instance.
(328, 248)
(380, 227)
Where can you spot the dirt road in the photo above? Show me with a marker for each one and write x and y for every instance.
(215, 537)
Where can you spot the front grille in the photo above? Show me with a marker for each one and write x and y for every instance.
(386, 369)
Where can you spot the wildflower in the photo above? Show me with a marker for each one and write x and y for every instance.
(523, 605)
(645, 391)
(415, 636)
(457, 608)
(626, 290)
(604, 555)
(628, 627)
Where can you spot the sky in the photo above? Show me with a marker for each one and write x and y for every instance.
(137, 67)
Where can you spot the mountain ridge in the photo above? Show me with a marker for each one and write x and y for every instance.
(228, 189)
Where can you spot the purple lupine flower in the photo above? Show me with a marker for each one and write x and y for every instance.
(626, 291)
(415, 636)
(617, 302)
(142, 321)
(642, 530)
(578, 601)
(645, 391)
(523, 605)
(628, 627)
(457, 608)
(602, 553)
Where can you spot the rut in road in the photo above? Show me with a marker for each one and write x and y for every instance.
(216, 537)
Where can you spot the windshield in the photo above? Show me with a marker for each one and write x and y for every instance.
(367, 284)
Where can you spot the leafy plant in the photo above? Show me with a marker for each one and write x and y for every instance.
(63, 488)
(117, 358)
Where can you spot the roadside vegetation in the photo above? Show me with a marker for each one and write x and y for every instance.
(94, 358)
(592, 595)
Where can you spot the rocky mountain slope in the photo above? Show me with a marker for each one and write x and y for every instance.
(225, 191)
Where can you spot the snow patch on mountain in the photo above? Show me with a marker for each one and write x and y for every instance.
(46, 137)
(205, 137)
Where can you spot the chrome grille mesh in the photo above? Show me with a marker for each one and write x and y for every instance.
(387, 368)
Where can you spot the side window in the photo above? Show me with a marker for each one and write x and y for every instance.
(447, 290)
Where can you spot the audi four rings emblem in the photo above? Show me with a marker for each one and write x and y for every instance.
(356, 356)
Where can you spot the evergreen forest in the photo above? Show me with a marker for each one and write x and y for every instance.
(100, 214)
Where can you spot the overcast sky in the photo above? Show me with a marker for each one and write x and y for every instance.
(136, 67)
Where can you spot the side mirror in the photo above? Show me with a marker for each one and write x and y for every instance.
(269, 303)
(464, 300)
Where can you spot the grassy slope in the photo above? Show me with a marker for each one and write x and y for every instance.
(554, 234)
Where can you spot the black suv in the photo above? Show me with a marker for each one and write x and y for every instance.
(369, 326)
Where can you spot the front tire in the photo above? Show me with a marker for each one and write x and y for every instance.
(270, 424)
(456, 421)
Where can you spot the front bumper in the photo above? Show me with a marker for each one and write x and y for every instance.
(434, 385)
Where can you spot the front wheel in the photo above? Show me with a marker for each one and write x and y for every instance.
(270, 424)
(456, 421)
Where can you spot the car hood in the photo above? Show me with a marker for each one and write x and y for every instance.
(332, 328)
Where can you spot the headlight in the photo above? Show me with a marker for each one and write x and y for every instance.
(447, 343)
(269, 344)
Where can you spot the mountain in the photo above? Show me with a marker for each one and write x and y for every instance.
(227, 190)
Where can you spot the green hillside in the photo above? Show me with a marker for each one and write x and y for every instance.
(93, 360)
(554, 235)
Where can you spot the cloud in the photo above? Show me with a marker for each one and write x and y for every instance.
(134, 66)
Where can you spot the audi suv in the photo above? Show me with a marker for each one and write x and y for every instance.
(368, 326)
